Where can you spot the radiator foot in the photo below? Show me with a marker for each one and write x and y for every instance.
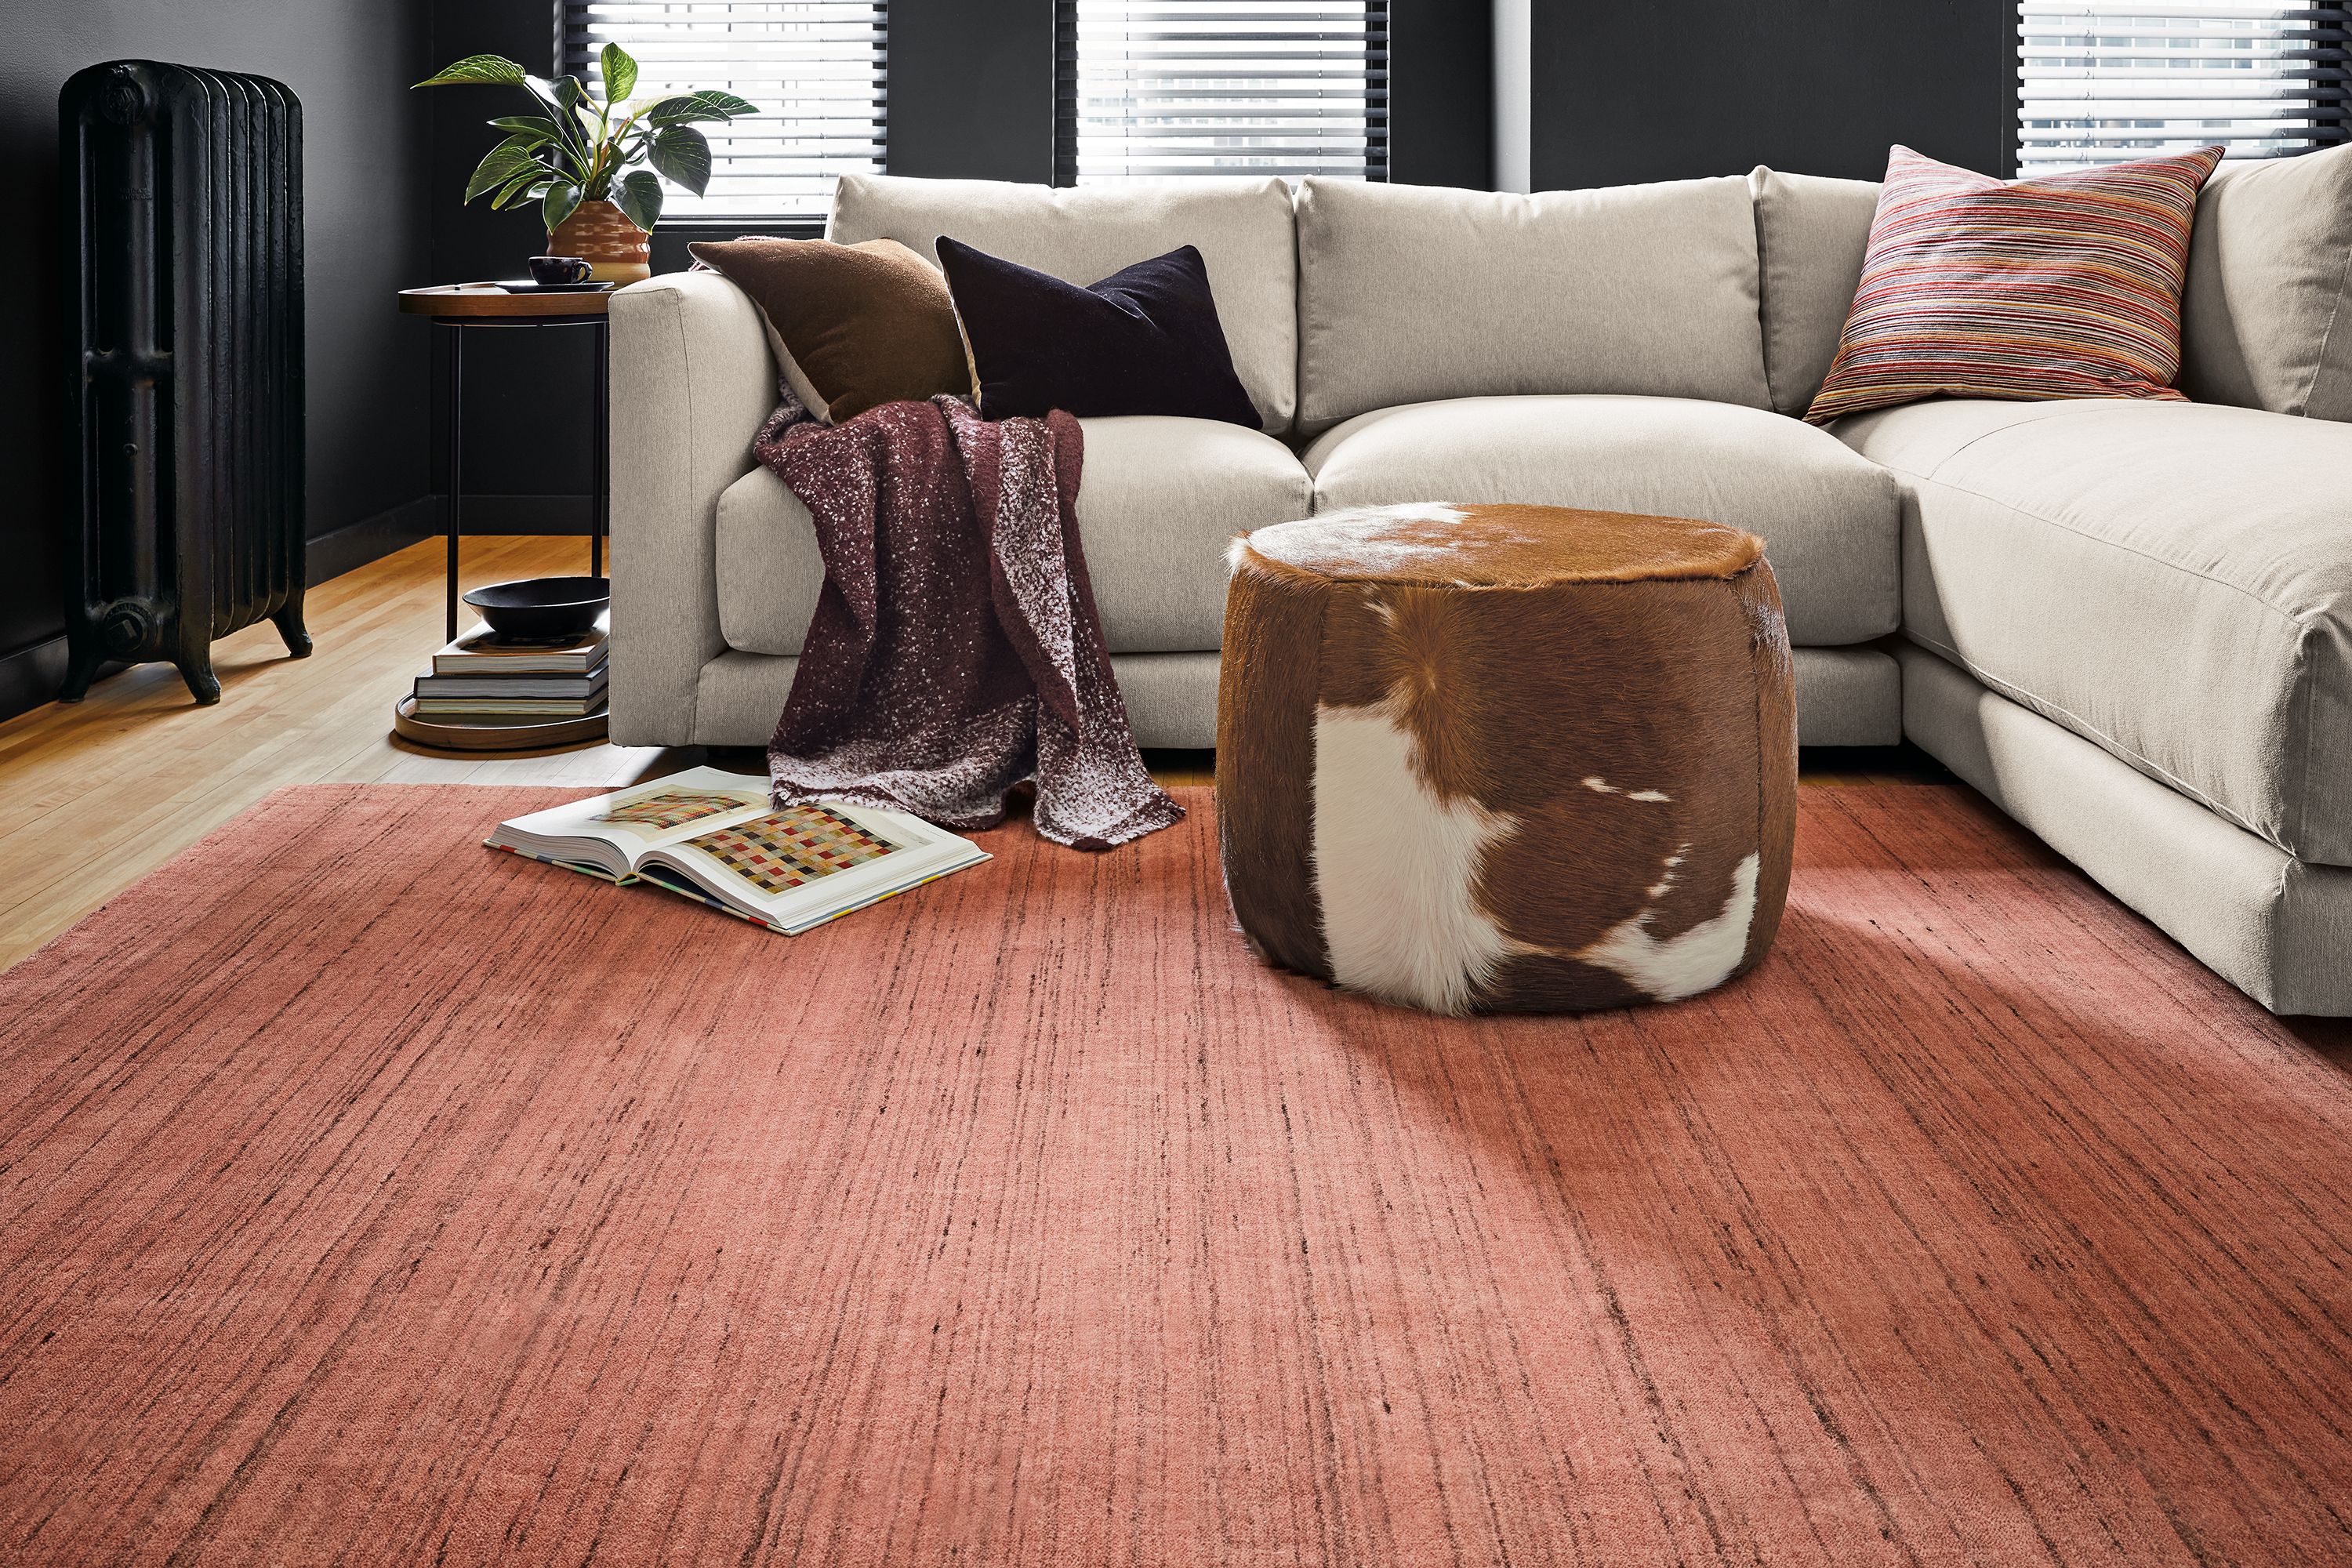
(288, 622)
(81, 668)
(202, 685)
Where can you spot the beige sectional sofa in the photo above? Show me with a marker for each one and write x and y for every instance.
(2130, 624)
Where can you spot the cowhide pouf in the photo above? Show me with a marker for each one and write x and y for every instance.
(1507, 757)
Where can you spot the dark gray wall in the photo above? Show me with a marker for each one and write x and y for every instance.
(1640, 89)
(1441, 93)
(972, 89)
(350, 62)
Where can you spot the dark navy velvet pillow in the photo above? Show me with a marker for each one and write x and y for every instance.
(1145, 340)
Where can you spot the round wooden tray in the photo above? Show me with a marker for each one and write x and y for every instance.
(538, 736)
(489, 302)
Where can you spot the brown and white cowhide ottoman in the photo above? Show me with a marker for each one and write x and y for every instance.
(1507, 757)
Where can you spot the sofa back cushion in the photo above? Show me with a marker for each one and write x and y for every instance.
(1810, 234)
(2266, 320)
(1409, 293)
(1243, 230)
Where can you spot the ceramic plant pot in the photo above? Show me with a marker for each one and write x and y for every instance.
(617, 251)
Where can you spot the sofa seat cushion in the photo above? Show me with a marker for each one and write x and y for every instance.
(1827, 519)
(1159, 501)
(2172, 581)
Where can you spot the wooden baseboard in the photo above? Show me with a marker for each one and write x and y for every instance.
(524, 514)
(351, 547)
(33, 674)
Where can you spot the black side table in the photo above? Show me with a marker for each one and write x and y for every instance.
(459, 306)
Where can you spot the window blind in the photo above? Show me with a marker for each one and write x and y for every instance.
(1148, 90)
(2100, 81)
(817, 69)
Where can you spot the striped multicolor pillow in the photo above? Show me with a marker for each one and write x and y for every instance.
(2065, 286)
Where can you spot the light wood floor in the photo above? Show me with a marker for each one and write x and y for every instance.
(96, 795)
(99, 792)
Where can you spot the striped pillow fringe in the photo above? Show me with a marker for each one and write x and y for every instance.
(2064, 286)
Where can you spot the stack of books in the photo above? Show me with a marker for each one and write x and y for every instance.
(479, 679)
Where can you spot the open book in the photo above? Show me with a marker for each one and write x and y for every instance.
(712, 836)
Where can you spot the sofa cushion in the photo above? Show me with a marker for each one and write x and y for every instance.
(1827, 519)
(1243, 230)
(1159, 501)
(1810, 234)
(851, 326)
(1144, 340)
(2170, 579)
(2267, 319)
(1408, 293)
(2064, 285)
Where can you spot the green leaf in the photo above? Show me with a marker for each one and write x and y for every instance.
(569, 94)
(524, 187)
(620, 73)
(494, 70)
(527, 125)
(549, 100)
(569, 134)
(501, 164)
(705, 105)
(563, 200)
(639, 197)
(680, 155)
(725, 103)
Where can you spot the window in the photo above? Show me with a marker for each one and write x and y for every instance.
(1148, 90)
(815, 68)
(2100, 81)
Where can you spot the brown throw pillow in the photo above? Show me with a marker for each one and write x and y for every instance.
(854, 326)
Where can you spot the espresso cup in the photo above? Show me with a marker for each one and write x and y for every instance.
(551, 269)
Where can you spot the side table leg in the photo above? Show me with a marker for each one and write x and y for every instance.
(600, 501)
(456, 441)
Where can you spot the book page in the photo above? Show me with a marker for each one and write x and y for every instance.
(778, 851)
(629, 823)
(804, 864)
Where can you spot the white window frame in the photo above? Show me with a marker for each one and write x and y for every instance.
(2103, 81)
(818, 69)
(1141, 94)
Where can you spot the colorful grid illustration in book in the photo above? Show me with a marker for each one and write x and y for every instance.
(791, 847)
(672, 809)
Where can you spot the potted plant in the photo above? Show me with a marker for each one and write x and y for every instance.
(593, 166)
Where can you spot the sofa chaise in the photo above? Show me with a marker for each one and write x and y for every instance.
(2130, 624)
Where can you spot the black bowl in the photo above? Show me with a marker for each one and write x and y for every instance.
(537, 609)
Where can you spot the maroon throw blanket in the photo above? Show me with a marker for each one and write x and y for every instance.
(955, 651)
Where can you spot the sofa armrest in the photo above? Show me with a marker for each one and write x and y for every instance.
(692, 382)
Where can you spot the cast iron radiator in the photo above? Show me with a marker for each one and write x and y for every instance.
(183, 202)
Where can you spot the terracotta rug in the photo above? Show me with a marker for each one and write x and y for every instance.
(365, 1196)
